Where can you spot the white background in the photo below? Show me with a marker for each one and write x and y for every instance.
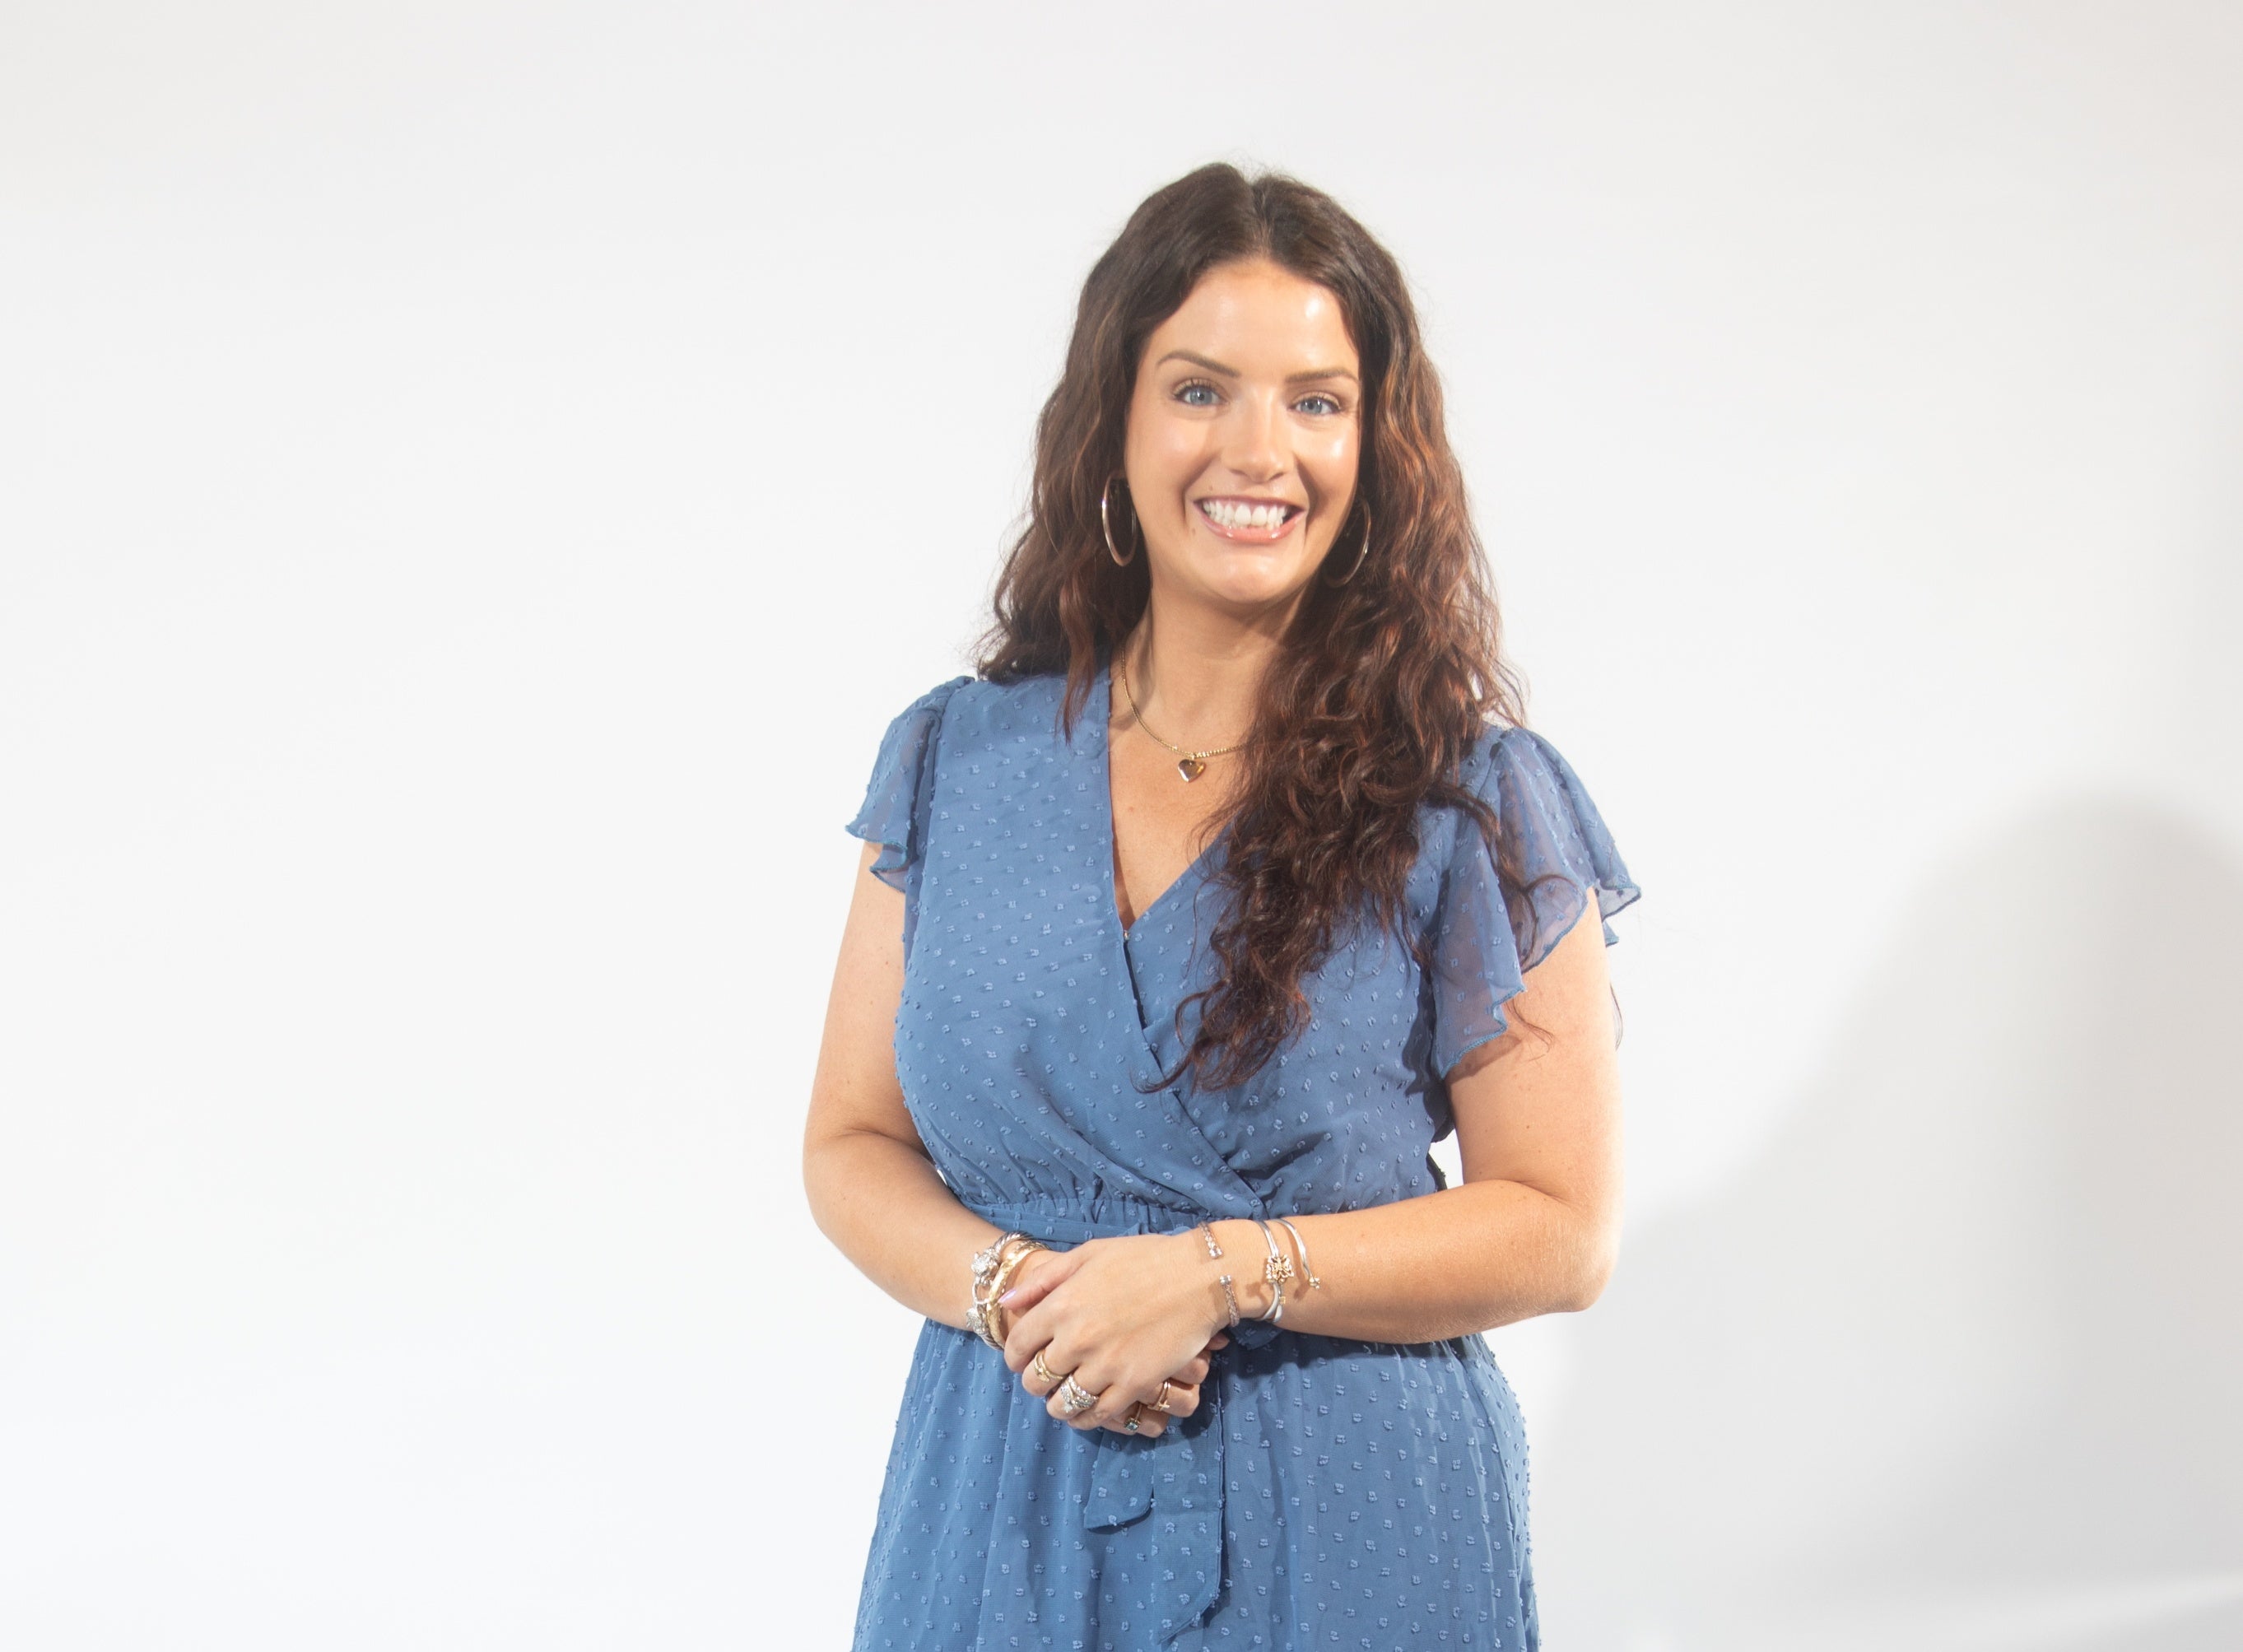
(476, 479)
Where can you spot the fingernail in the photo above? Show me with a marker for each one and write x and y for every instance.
(1009, 1295)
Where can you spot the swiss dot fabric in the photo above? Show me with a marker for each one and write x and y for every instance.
(1328, 1493)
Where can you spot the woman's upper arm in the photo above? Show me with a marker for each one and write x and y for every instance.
(855, 1088)
(1547, 1113)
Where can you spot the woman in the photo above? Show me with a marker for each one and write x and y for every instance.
(1229, 884)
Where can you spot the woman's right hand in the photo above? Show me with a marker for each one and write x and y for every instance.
(1184, 1383)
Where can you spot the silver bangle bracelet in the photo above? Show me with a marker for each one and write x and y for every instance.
(1314, 1284)
(1277, 1270)
(986, 1264)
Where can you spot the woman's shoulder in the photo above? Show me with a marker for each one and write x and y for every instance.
(1494, 750)
(969, 712)
(1543, 812)
(1541, 804)
(1042, 688)
(1505, 760)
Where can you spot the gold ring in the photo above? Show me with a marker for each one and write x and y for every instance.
(1074, 1397)
(1042, 1370)
(1162, 1402)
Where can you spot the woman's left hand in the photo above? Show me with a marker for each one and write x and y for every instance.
(1119, 1314)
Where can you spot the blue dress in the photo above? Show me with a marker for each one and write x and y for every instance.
(1327, 1492)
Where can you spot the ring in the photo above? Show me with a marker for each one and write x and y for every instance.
(1073, 1395)
(1043, 1369)
(1131, 1425)
(1160, 1402)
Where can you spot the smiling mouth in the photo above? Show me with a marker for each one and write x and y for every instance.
(1257, 520)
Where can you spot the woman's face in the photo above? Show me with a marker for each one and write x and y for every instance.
(1245, 436)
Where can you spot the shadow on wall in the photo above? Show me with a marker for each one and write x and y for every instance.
(1958, 1362)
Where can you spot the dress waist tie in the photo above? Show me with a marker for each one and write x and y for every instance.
(1179, 1477)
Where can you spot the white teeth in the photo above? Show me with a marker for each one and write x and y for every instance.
(1226, 514)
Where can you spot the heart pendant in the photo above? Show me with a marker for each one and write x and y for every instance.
(1192, 767)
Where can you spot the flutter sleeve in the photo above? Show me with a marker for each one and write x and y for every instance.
(896, 798)
(1561, 848)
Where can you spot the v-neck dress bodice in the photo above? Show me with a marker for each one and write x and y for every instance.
(1326, 1491)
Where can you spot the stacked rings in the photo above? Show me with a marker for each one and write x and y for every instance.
(1072, 1394)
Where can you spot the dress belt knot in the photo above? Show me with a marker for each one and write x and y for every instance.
(1178, 1477)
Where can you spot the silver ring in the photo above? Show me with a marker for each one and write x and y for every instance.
(1076, 1398)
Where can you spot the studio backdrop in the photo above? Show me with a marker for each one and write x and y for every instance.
(475, 481)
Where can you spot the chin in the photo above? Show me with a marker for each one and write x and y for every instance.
(1244, 577)
(1254, 593)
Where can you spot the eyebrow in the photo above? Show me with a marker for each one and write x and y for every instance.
(1233, 372)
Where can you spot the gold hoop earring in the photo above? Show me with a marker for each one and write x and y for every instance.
(1106, 526)
(1364, 550)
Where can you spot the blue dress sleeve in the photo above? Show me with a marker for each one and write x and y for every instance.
(896, 797)
(1482, 946)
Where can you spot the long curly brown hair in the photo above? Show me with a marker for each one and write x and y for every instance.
(1380, 687)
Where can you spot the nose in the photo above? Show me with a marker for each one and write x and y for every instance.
(1254, 445)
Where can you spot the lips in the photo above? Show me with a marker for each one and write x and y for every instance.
(1249, 520)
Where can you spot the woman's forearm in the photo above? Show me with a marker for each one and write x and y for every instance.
(1467, 1258)
(882, 1204)
(1464, 1259)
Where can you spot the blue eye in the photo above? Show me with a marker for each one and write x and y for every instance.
(1195, 388)
(1325, 404)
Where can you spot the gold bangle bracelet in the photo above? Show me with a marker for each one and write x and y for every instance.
(1010, 1266)
(985, 1265)
(987, 1262)
(999, 1316)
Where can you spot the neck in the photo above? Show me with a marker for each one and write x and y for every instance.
(1195, 673)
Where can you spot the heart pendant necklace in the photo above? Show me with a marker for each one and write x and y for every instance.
(1190, 765)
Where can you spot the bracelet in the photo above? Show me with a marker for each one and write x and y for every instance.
(986, 1263)
(985, 1259)
(1277, 1270)
(999, 1317)
(995, 1318)
(1230, 1301)
(1206, 1230)
(985, 1267)
(1314, 1284)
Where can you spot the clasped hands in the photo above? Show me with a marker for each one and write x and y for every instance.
(1119, 1314)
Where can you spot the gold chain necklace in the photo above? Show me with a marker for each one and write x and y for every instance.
(1190, 765)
